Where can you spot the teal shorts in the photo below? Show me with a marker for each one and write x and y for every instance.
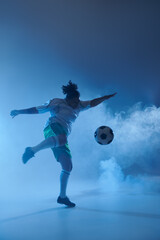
(56, 129)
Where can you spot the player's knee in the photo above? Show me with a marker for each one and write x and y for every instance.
(66, 163)
(62, 140)
(67, 166)
(53, 141)
(70, 167)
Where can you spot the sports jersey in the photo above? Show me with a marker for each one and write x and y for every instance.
(61, 112)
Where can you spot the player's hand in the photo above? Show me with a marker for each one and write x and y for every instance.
(14, 113)
(111, 95)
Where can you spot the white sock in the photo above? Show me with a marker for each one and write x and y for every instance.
(63, 183)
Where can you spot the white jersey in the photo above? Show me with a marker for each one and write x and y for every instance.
(61, 112)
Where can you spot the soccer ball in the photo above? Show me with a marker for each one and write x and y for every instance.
(104, 135)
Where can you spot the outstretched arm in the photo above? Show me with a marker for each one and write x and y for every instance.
(97, 101)
(32, 110)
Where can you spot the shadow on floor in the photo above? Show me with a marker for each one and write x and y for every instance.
(32, 214)
(125, 213)
(83, 194)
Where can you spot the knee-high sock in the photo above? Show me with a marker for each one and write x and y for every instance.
(63, 183)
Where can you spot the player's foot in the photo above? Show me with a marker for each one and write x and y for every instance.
(27, 154)
(65, 201)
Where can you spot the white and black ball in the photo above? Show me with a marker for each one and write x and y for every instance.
(104, 135)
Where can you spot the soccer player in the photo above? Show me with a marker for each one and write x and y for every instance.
(58, 127)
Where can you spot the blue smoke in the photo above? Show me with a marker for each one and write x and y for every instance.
(132, 157)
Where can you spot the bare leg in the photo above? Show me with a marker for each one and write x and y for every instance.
(50, 142)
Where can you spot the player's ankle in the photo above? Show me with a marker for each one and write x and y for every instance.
(33, 149)
(62, 196)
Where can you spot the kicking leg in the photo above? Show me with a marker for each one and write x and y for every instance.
(50, 142)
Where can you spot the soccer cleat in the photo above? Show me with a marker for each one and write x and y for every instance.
(65, 201)
(27, 154)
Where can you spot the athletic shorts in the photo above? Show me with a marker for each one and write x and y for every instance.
(56, 129)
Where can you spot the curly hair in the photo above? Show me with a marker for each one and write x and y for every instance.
(70, 90)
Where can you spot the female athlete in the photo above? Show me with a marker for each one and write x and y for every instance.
(58, 127)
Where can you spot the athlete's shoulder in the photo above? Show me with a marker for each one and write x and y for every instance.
(84, 103)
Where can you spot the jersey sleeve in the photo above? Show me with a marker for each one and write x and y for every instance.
(44, 107)
(84, 105)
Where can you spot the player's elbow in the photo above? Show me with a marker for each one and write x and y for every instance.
(33, 110)
(92, 103)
